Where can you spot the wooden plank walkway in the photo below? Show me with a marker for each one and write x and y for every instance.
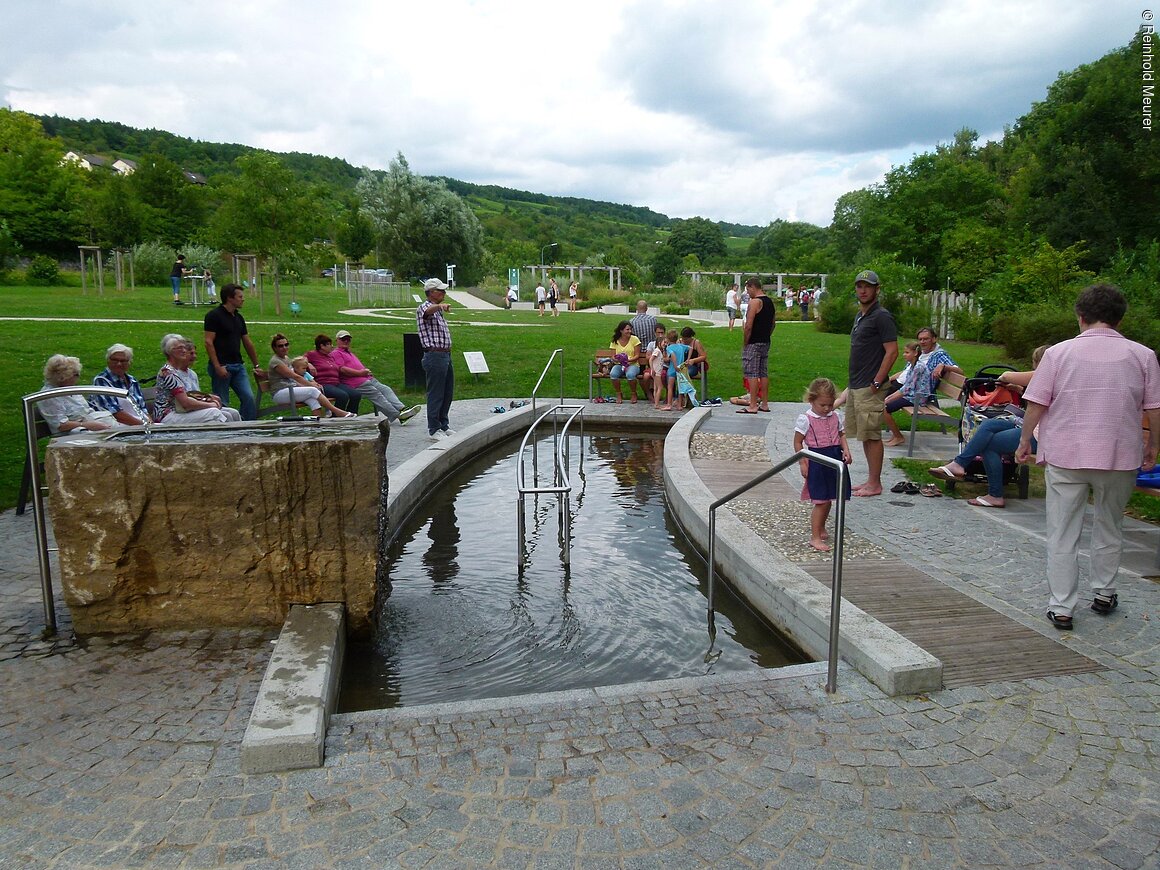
(976, 644)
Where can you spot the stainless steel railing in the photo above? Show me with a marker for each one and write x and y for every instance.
(561, 484)
(29, 406)
(839, 537)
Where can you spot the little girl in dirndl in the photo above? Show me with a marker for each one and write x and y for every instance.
(820, 429)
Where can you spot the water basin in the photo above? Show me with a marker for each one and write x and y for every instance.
(462, 623)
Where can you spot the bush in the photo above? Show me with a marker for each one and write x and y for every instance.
(969, 325)
(1021, 331)
(152, 262)
(43, 271)
(838, 313)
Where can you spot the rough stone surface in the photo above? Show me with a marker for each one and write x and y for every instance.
(226, 533)
(124, 752)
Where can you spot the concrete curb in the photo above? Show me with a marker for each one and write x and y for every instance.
(785, 594)
(287, 728)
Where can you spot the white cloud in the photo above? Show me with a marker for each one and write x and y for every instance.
(746, 111)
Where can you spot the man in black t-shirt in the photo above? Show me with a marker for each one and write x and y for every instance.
(175, 275)
(873, 350)
(225, 335)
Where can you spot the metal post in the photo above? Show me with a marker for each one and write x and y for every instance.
(29, 405)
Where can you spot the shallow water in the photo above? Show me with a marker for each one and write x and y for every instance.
(461, 624)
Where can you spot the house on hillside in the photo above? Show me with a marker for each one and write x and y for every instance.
(86, 161)
(193, 177)
(124, 166)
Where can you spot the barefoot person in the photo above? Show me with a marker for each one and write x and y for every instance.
(760, 322)
(873, 350)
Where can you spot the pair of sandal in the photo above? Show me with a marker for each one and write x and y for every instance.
(1101, 604)
(905, 487)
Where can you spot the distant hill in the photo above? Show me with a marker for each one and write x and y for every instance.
(113, 139)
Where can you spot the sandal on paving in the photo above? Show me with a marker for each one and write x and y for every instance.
(911, 489)
(900, 486)
(944, 473)
(1105, 604)
(1063, 623)
(931, 490)
(985, 501)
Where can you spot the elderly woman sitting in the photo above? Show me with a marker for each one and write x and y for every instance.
(128, 411)
(288, 386)
(70, 413)
(179, 396)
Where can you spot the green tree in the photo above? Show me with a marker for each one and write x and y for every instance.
(356, 235)
(666, 265)
(699, 236)
(110, 214)
(37, 193)
(422, 224)
(267, 211)
(171, 207)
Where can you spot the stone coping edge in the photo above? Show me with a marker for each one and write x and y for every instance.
(287, 727)
(781, 591)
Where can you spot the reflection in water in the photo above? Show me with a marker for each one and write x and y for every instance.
(460, 623)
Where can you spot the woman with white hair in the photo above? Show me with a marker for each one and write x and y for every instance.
(118, 358)
(70, 413)
(179, 397)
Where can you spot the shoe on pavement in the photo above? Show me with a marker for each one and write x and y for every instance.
(408, 413)
(447, 433)
(437, 435)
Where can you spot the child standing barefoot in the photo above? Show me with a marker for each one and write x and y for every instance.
(657, 356)
(820, 429)
(677, 353)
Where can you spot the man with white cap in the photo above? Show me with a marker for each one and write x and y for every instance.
(435, 339)
(358, 377)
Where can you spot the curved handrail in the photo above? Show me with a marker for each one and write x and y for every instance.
(29, 404)
(557, 352)
(839, 537)
(562, 477)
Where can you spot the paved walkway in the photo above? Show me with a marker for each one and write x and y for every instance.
(124, 752)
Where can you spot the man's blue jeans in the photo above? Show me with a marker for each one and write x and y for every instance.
(239, 381)
(440, 390)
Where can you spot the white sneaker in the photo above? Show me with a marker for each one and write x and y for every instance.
(447, 433)
(437, 435)
(407, 414)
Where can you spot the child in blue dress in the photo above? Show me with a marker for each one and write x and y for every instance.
(677, 352)
(820, 429)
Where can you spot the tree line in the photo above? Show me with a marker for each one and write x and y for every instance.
(1068, 193)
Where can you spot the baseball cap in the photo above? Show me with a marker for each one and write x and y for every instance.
(867, 276)
(433, 284)
(342, 333)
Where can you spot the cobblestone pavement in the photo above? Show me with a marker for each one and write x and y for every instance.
(124, 752)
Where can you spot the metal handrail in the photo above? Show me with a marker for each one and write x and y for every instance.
(839, 536)
(29, 404)
(562, 478)
(557, 352)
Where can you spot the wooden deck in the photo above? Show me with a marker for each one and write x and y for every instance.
(976, 644)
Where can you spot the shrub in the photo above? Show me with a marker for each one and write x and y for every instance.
(838, 313)
(152, 262)
(969, 325)
(43, 271)
(1021, 331)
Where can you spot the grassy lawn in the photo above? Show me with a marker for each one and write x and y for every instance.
(516, 345)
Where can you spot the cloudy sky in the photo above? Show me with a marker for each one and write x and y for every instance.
(737, 110)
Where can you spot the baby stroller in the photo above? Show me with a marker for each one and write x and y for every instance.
(984, 398)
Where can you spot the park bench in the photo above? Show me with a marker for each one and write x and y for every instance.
(950, 386)
(601, 362)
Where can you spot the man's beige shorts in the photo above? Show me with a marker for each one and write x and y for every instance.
(864, 409)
